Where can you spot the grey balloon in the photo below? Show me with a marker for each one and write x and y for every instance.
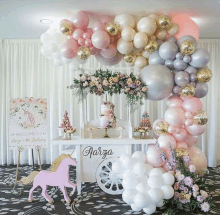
(199, 58)
(168, 50)
(193, 77)
(201, 90)
(186, 59)
(191, 70)
(156, 59)
(182, 78)
(159, 80)
(172, 39)
(176, 90)
(179, 56)
(169, 64)
(160, 42)
(180, 65)
(187, 37)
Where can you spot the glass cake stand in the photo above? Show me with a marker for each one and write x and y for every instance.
(106, 132)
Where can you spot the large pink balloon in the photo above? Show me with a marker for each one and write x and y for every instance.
(187, 26)
(192, 104)
(78, 33)
(181, 145)
(100, 39)
(109, 61)
(181, 136)
(166, 141)
(69, 48)
(175, 116)
(198, 158)
(109, 52)
(195, 129)
(98, 26)
(191, 140)
(81, 20)
(174, 101)
(94, 50)
(153, 156)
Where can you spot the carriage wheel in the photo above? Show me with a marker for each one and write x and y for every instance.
(107, 180)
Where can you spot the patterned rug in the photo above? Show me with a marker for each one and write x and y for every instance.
(92, 201)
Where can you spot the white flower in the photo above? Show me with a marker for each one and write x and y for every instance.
(192, 168)
(83, 78)
(195, 194)
(204, 194)
(180, 177)
(85, 84)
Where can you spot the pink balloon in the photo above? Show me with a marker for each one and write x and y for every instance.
(192, 104)
(98, 26)
(198, 158)
(171, 129)
(104, 19)
(175, 116)
(86, 36)
(182, 136)
(109, 52)
(188, 115)
(109, 61)
(68, 53)
(89, 30)
(165, 141)
(195, 129)
(174, 101)
(187, 26)
(191, 140)
(153, 156)
(81, 41)
(100, 39)
(177, 130)
(78, 33)
(81, 20)
(181, 145)
(188, 122)
(69, 48)
(88, 42)
(94, 50)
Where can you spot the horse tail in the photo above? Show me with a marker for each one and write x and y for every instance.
(30, 178)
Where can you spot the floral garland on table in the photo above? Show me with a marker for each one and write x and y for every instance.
(190, 191)
(113, 83)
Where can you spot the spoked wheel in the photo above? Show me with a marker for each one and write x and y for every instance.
(107, 180)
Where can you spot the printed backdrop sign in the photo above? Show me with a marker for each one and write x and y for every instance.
(27, 122)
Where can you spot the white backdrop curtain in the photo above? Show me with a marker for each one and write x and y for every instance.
(26, 73)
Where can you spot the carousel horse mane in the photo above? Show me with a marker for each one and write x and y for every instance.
(55, 164)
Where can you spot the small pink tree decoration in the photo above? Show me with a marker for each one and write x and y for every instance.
(66, 126)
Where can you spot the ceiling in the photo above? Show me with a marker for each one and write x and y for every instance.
(21, 18)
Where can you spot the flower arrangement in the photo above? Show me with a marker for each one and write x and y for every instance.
(190, 190)
(108, 82)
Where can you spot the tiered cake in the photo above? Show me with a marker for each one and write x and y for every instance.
(145, 124)
(108, 119)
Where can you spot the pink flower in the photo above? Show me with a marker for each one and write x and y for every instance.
(181, 187)
(186, 159)
(204, 194)
(122, 75)
(195, 194)
(200, 199)
(131, 92)
(176, 186)
(205, 207)
(192, 168)
(185, 190)
(176, 195)
(188, 181)
(195, 187)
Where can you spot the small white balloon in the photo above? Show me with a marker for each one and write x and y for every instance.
(57, 55)
(58, 38)
(139, 156)
(168, 178)
(156, 171)
(156, 195)
(128, 196)
(128, 34)
(147, 25)
(155, 181)
(58, 62)
(46, 51)
(52, 31)
(129, 183)
(149, 168)
(146, 54)
(142, 179)
(150, 209)
(117, 167)
(66, 60)
(141, 200)
(53, 47)
(140, 40)
(168, 191)
(143, 187)
(124, 47)
(139, 168)
(135, 208)
(128, 173)
(161, 34)
(174, 29)
(125, 20)
(45, 38)
(160, 203)
(140, 62)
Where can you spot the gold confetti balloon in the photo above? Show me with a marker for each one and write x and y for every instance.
(187, 91)
(112, 28)
(84, 53)
(163, 21)
(66, 28)
(151, 46)
(200, 117)
(130, 58)
(204, 75)
(161, 128)
(187, 47)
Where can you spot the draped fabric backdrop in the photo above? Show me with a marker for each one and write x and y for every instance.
(26, 73)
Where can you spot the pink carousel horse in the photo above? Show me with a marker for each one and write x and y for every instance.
(58, 176)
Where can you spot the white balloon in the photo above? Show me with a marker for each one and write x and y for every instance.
(117, 167)
(156, 195)
(156, 171)
(52, 31)
(66, 60)
(125, 20)
(149, 168)
(147, 25)
(53, 47)
(50, 57)
(58, 38)
(124, 47)
(57, 55)
(140, 62)
(128, 173)
(168, 178)
(137, 51)
(140, 40)
(46, 51)
(174, 29)
(128, 196)
(155, 181)
(139, 168)
(161, 34)
(168, 191)
(143, 187)
(160, 203)
(128, 34)
(140, 156)
(45, 38)
(129, 183)
(153, 16)
(135, 208)
(58, 62)
(150, 209)
(146, 54)
(141, 200)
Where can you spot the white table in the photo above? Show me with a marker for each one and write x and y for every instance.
(90, 153)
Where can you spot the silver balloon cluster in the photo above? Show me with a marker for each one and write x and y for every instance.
(187, 63)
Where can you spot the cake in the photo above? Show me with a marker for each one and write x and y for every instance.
(107, 119)
(144, 124)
